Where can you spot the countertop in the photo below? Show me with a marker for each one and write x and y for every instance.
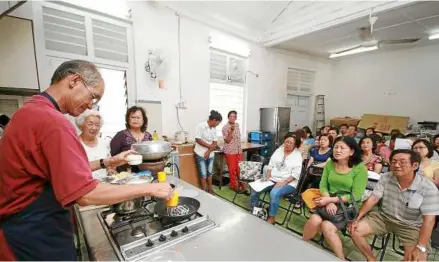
(239, 236)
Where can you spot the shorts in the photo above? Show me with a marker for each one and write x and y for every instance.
(205, 166)
(382, 224)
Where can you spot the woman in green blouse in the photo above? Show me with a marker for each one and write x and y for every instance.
(344, 173)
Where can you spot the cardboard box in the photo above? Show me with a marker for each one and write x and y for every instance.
(343, 120)
(384, 123)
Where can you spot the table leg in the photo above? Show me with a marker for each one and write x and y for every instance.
(221, 170)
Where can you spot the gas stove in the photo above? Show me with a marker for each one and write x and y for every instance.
(139, 234)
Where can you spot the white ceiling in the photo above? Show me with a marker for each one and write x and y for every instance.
(415, 20)
(273, 22)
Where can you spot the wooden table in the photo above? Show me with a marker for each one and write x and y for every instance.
(246, 147)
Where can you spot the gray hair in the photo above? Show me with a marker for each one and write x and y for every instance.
(87, 70)
(79, 121)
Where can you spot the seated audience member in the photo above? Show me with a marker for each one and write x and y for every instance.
(333, 132)
(326, 129)
(436, 143)
(309, 140)
(303, 149)
(370, 131)
(343, 175)
(284, 170)
(394, 134)
(319, 156)
(409, 205)
(429, 168)
(352, 132)
(316, 142)
(371, 161)
(382, 150)
(343, 129)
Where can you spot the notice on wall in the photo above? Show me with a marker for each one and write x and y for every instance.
(384, 123)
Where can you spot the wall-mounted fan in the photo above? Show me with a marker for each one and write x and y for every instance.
(369, 40)
(156, 66)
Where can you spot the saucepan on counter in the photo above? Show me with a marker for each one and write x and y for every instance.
(131, 206)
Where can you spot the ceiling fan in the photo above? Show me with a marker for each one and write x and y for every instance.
(369, 42)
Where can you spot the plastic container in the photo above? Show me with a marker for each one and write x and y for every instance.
(134, 160)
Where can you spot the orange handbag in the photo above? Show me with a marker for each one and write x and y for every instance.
(309, 196)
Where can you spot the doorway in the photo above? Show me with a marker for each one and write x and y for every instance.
(299, 111)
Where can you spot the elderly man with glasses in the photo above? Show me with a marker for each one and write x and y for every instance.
(410, 203)
(44, 169)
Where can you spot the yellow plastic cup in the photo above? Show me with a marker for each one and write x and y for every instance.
(173, 201)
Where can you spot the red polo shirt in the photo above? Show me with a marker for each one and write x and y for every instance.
(41, 146)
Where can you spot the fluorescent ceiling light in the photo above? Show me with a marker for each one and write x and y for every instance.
(354, 51)
(434, 36)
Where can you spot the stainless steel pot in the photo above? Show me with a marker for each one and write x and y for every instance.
(131, 206)
(152, 150)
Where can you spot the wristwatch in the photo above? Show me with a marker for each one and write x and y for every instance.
(101, 162)
(421, 248)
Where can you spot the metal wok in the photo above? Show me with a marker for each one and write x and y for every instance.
(152, 150)
(162, 210)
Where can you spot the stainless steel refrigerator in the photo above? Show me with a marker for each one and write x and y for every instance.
(275, 120)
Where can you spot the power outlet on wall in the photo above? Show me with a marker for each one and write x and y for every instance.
(182, 105)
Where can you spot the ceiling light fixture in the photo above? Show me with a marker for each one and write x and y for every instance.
(354, 51)
(434, 36)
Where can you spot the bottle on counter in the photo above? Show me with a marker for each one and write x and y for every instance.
(161, 176)
(155, 136)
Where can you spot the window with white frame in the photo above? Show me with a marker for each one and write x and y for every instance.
(300, 81)
(71, 33)
(227, 86)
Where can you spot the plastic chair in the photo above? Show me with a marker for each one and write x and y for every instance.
(384, 241)
(293, 199)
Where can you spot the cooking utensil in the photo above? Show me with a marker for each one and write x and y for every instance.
(164, 212)
(132, 205)
(152, 150)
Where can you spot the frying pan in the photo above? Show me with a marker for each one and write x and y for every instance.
(161, 209)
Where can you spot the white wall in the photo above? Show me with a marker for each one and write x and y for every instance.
(403, 82)
(156, 27)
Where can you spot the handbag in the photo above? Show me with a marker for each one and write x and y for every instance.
(249, 170)
(344, 214)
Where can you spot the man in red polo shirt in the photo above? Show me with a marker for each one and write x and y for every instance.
(44, 169)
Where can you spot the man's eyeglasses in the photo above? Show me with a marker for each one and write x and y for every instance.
(400, 163)
(95, 98)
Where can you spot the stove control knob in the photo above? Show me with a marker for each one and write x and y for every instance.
(149, 243)
(185, 230)
(174, 233)
(162, 238)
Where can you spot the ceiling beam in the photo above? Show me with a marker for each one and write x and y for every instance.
(356, 12)
(214, 24)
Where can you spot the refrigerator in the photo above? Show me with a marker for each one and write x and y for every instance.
(275, 120)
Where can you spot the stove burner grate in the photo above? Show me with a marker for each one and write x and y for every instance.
(180, 210)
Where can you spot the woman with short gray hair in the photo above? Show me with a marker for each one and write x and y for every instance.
(90, 123)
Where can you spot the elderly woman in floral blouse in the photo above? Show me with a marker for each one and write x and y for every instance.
(233, 151)
(136, 123)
